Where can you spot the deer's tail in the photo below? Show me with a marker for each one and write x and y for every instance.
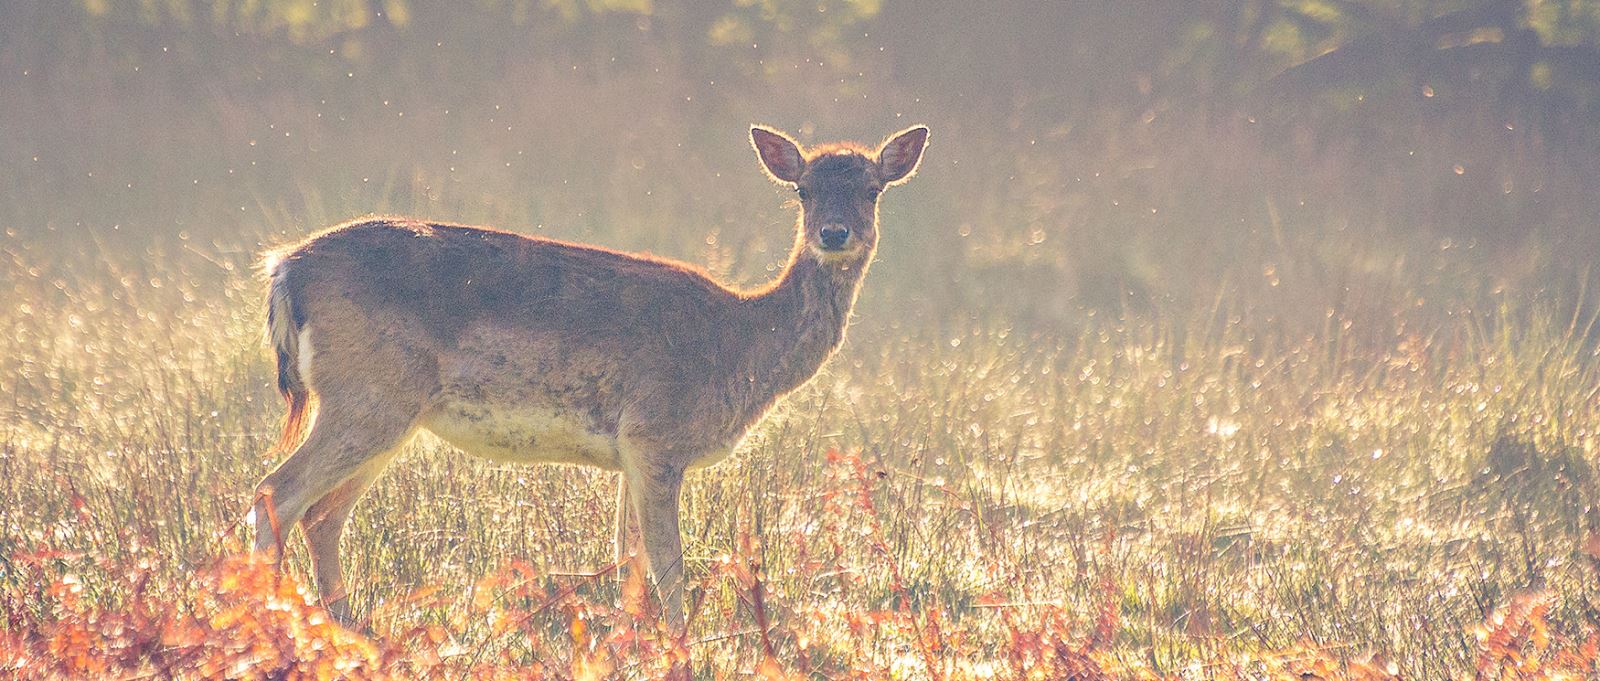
(285, 321)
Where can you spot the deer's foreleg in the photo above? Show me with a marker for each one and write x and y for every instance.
(628, 539)
(653, 492)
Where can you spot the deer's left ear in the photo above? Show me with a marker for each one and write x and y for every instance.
(779, 154)
(898, 157)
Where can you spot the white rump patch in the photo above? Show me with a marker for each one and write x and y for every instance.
(304, 350)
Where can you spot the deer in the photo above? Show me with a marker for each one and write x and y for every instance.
(524, 349)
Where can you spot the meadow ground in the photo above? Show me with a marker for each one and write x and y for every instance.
(1184, 498)
(1168, 367)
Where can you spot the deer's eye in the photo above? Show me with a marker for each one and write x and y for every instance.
(804, 195)
(872, 194)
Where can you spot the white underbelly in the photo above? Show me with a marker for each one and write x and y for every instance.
(517, 434)
(712, 457)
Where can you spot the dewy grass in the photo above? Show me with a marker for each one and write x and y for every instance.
(1154, 497)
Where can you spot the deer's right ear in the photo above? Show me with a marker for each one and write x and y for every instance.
(779, 154)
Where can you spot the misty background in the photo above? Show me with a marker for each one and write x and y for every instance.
(1283, 161)
(1259, 324)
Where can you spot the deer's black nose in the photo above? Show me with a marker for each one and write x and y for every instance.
(834, 236)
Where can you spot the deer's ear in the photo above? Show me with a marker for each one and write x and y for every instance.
(779, 154)
(898, 157)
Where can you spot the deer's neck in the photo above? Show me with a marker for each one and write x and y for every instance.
(802, 318)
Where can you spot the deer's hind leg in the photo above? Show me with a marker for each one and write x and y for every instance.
(345, 445)
(324, 524)
(317, 486)
(369, 393)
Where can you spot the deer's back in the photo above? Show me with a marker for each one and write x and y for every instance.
(448, 278)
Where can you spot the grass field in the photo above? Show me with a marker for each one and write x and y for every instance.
(1203, 497)
(1151, 379)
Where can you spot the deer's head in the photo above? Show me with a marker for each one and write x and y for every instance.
(838, 186)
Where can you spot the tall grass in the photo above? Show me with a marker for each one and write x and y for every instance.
(1188, 397)
(1144, 495)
